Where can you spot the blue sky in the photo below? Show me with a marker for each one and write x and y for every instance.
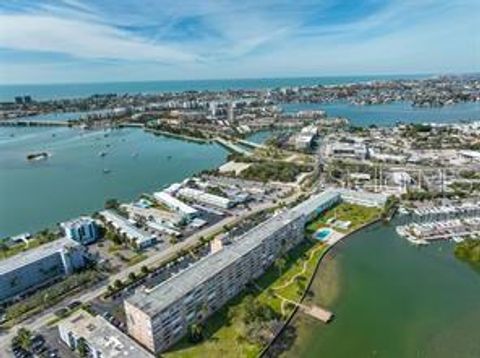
(121, 40)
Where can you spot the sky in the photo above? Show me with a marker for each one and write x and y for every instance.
(61, 41)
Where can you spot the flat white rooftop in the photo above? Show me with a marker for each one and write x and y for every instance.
(167, 292)
(30, 256)
(104, 337)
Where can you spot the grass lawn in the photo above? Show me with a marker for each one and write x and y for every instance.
(358, 215)
(37, 240)
(133, 260)
(223, 329)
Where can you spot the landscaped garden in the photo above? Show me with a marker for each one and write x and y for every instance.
(38, 239)
(356, 215)
(249, 321)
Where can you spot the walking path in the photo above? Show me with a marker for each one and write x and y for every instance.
(314, 311)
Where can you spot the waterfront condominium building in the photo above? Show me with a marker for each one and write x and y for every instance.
(37, 267)
(141, 238)
(205, 198)
(160, 316)
(176, 205)
(101, 339)
(83, 229)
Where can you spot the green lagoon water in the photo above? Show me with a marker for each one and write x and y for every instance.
(391, 299)
(35, 195)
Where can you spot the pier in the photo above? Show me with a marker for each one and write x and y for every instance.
(314, 311)
(317, 313)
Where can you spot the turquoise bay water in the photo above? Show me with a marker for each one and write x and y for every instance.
(71, 182)
(389, 114)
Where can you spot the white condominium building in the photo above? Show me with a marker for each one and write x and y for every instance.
(160, 316)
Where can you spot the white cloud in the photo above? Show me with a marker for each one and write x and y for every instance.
(172, 39)
(82, 39)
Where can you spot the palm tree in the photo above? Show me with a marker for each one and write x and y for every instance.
(280, 264)
(195, 332)
(24, 338)
(82, 347)
(46, 297)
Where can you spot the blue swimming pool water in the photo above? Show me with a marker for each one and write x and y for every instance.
(323, 234)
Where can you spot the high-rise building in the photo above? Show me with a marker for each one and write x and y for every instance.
(160, 316)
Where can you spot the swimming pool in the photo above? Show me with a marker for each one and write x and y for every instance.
(322, 234)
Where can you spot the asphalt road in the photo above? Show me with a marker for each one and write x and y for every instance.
(36, 322)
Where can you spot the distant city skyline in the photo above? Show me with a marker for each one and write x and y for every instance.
(90, 41)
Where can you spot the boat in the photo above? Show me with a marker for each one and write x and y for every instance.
(135, 154)
(106, 171)
(37, 156)
(102, 154)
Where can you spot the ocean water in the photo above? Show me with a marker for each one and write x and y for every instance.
(52, 91)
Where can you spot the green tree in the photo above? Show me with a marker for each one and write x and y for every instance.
(131, 276)
(112, 236)
(145, 270)
(24, 338)
(118, 284)
(82, 347)
(112, 204)
(280, 264)
(195, 333)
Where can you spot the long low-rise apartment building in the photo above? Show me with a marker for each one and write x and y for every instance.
(176, 205)
(363, 198)
(205, 198)
(160, 316)
(37, 267)
(100, 338)
(124, 227)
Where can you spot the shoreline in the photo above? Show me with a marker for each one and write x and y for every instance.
(265, 351)
(180, 138)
